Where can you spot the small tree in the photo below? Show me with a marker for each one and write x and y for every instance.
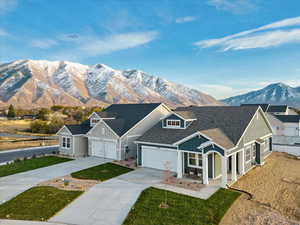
(11, 112)
(43, 114)
(56, 108)
(78, 116)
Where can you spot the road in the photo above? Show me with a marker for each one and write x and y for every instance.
(8, 156)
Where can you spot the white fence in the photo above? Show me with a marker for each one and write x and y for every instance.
(290, 149)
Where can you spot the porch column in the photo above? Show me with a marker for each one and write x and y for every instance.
(224, 171)
(205, 168)
(179, 164)
(233, 169)
(241, 162)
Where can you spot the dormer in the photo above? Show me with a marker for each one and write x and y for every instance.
(94, 119)
(178, 120)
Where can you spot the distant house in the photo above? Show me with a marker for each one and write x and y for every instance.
(29, 117)
(112, 132)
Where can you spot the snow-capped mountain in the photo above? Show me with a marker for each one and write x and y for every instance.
(278, 93)
(36, 83)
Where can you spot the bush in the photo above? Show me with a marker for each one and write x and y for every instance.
(46, 127)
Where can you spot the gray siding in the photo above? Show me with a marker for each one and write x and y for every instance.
(193, 143)
(80, 145)
(65, 133)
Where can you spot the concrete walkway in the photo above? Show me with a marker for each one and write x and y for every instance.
(108, 203)
(203, 193)
(13, 185)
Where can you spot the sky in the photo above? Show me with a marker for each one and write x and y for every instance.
(221, 47)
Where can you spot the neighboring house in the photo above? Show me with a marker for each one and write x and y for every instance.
(276, 109)
(112, 132)
(290, 125)
(208, 143)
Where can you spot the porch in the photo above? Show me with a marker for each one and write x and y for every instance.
(211, 167)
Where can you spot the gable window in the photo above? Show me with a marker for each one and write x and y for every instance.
(194, 160)
(94, 121)
(254, 151)
(173, 123)
(248, 154)
(66, 142)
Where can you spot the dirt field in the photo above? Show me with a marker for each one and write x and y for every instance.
(26, 144)
(12, 126)
(276, 190)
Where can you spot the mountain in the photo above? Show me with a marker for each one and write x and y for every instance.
(41, 83)
(278, 93)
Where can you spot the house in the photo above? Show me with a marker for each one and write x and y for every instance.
(276, 109)
(212, 144)
(112, 132)
(288, 125)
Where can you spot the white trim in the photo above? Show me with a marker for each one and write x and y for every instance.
(95, 114)
(159, 148)
(241, 149)
(138, 123)
(152, 143)
(102, 121)
(173, 126)
(197, 133)
(57, 133)
(66, 138)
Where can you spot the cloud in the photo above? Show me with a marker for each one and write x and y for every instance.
(7, 5)
(233, 6)
(261, 37)
(185, 19)
(101, 46)
(43, 43)
(222, 91)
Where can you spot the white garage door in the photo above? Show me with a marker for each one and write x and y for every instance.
(105, 149)
(159, 158)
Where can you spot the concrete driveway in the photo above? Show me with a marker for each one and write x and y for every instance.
(13, 185)
(108, 203)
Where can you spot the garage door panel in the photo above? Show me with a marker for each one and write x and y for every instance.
(159, 158)
(105, 149)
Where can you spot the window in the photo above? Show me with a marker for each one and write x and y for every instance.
(66, 142)
(103, 130)
(194, 160)
(248, 153)
(94, 121)
(173, 123)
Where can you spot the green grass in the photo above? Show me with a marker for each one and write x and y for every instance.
(37, 203)
(30, 164)
(102, 172)
(183, 210)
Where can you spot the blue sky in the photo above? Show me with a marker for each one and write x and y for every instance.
(222, 47)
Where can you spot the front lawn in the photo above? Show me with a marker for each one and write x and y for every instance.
(102, 172)
(37, 203)
(182, 209)
(30, 164)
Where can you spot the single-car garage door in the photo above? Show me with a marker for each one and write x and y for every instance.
(105, 149)
(159, 158)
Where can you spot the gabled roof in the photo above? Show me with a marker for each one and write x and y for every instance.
(277, 108)
(264, 107)
(223, 124)
(76, 129)
(288, 118)
(128, 115)
(105, 114)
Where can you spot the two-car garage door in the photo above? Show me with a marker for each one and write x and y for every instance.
(159, 158)
(104, 148)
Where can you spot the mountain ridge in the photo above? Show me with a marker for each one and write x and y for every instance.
(275, 93)
(42, 83)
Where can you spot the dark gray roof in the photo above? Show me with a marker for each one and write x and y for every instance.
(187, 115)
(224, 124)
(79, 128)
(264, 107)
(288, 118)
(128, 115)
(105, 114)
(277, 108)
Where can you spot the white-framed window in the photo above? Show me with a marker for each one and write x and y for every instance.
(248, 153)
(94, 121)
(195, 160)
(66, 142)
(173, 123)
